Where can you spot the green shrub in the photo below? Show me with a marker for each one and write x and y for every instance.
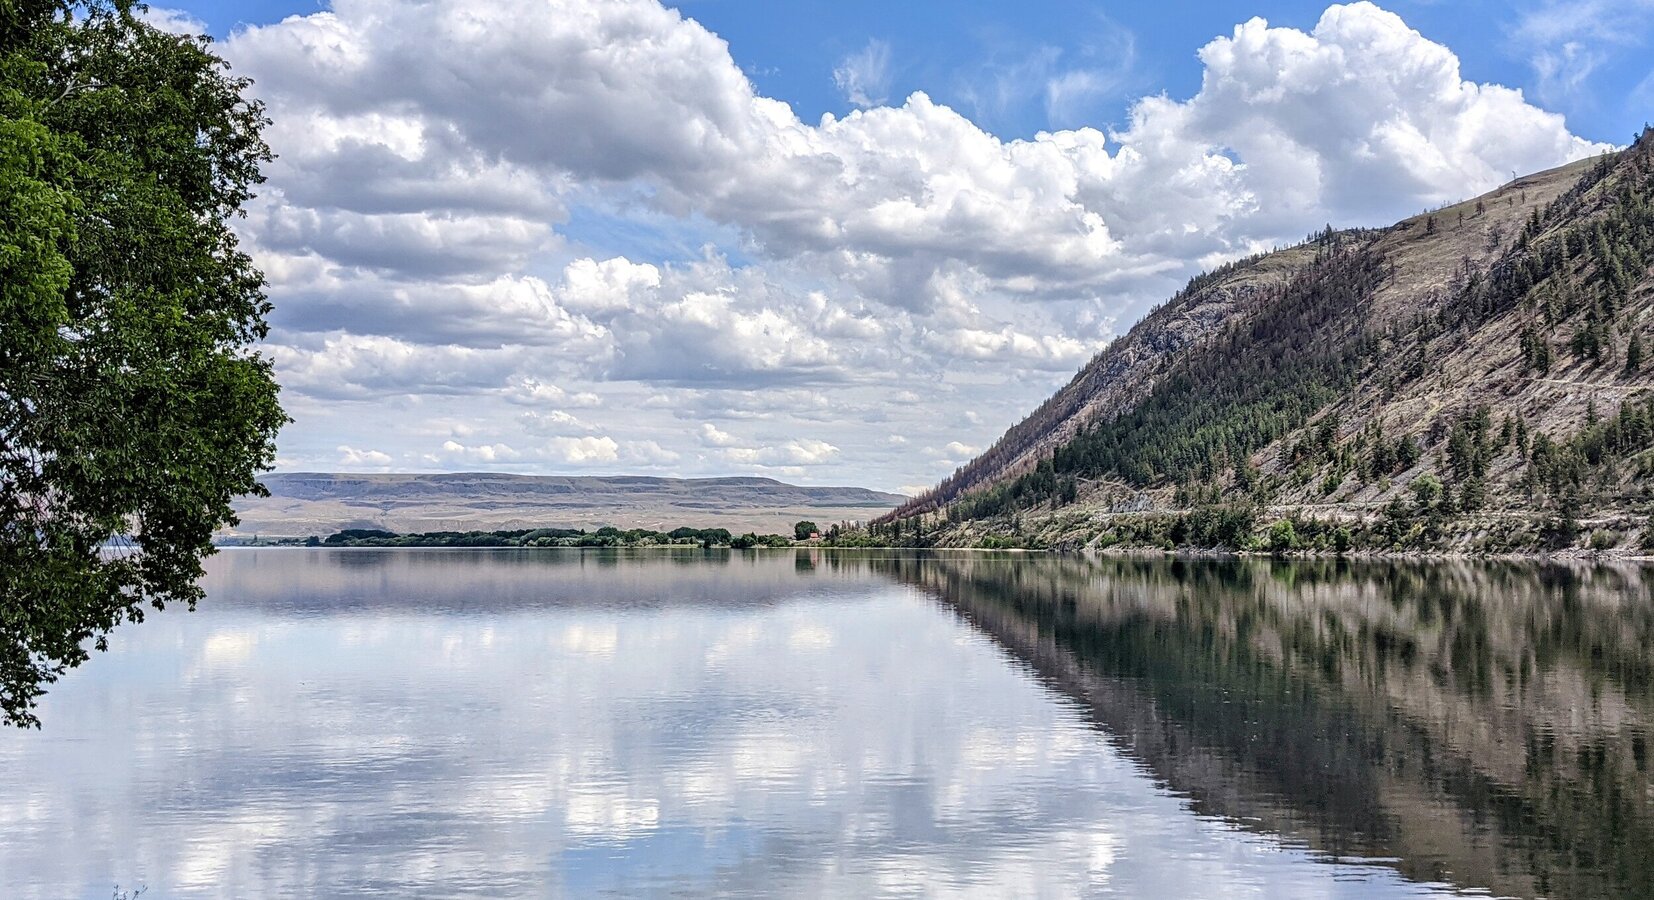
(1427, 489)
(1342, 539)
(1603, 539)
(1283, 536)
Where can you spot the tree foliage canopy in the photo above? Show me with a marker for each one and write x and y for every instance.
(132, 405)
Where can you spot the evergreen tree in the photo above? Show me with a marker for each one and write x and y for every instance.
(1407, 452)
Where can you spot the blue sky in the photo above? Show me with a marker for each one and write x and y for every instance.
(955, 49)
(829, 242)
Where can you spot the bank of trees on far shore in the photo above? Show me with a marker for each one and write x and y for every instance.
(607, 536)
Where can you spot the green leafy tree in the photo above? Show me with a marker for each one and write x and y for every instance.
(132, 407)
(1283, 536)
(803, 530)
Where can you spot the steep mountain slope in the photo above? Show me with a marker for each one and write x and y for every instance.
(1475, 377)
(1125, 370)
(308, 503)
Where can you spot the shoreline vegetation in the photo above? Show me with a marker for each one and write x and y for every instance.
(805, 533)
(530, 538)
(1428, 526)
(1400, 534)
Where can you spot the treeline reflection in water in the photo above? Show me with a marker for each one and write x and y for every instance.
(1480, 724)
(372, 581)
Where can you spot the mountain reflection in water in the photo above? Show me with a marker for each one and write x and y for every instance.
(1485, 725)
(854, 723)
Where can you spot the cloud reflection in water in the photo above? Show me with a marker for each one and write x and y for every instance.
(517, 724)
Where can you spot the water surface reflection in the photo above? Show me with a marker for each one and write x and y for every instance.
(525, 723)
(1484, 724)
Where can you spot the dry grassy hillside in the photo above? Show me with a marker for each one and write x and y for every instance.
(1427, 380)
(1477, 374)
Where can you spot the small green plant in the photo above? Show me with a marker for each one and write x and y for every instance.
(1603, 539)
(1331, 483)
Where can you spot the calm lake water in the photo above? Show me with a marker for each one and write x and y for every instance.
(804, 723)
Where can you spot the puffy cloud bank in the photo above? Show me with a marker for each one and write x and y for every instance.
(590, 197)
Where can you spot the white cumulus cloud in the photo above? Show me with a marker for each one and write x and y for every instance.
(583, 450)
(351, 457)
(428, 224)
(175, 21)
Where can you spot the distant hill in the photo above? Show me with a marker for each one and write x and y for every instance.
(306, 503)
(1475, 378)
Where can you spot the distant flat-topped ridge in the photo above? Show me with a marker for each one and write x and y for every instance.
(402, 477)
(320, 484)
(304, 503)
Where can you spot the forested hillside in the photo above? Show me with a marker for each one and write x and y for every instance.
(1474, 378)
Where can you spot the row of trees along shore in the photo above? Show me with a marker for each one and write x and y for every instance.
(607, 536)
